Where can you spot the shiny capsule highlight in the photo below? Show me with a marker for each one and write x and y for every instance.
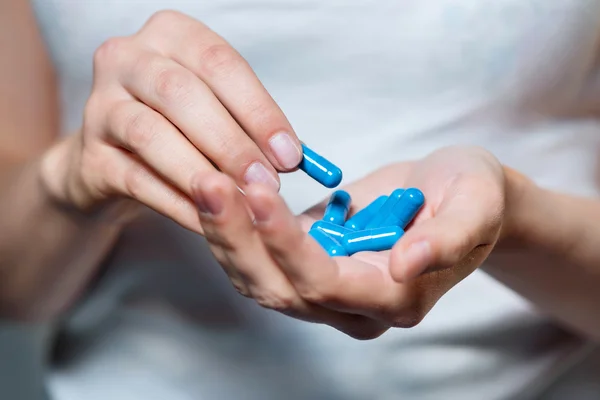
(331, 246)
(333, 230)
(377, 239)
(319, 168)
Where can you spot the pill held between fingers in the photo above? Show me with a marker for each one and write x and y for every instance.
(406, 208)
(333, 230)
(319, 168)
(331, 246)
(385, 209)
(377, 239)
(337, 207)
(359, 220)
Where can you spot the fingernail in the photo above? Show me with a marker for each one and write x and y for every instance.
(416, 258)
(208, 203)
(258, 173)
(285, 150)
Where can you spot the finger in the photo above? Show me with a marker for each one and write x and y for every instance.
(228, 227)
(233, 81)
(464, 228)
(190, 105)
(127, 176)
(141, 130)
(343, 284)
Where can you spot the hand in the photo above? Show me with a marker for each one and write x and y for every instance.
(169, 102)
(276, 262)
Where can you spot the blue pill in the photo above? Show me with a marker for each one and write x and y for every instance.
(333, 230)
(360, 219)
(331, 246)
(385, 210)
(406, 208)
(378, 239)
(319, 168)
(337, 207)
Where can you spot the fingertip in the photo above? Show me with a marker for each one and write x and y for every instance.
(261, 201)
(209, 181)
(211, 190)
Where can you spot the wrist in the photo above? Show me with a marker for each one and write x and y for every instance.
(519, 189)
(56, 176)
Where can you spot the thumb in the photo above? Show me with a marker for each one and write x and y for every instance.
(457, 233)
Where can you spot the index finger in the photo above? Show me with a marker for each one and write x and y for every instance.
(232, 80)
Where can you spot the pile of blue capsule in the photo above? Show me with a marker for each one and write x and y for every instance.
(377, 227)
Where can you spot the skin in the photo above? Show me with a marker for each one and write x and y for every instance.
(186, 93)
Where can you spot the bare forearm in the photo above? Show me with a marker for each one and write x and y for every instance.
(551, 254)
(47, 254)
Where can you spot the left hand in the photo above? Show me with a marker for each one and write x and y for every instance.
(276, 262)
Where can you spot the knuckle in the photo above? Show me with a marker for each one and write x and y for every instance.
(139, 129)
(265, 116)
(165, 18)
(110, 51)
(278, 301)
(134, 178)
(220, 60)
(171, 85)
(237, 152)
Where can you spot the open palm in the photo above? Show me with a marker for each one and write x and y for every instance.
(272, 259)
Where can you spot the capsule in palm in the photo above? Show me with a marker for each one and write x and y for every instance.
(331, 246)
(377, 239)
(405, 209)
(319, 168)
(385, 209)
(337, 207)
(333, 230)
(361, 219)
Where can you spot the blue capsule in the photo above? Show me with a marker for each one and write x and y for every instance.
(385, 210)
(360, 219)
(378, 239)
(319, 168)
(333, 230)
(405, 209)
(331, 246)
(337, 207)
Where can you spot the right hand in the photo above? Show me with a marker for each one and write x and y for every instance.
(168, 104)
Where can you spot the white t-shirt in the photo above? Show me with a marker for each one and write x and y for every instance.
(367, 83)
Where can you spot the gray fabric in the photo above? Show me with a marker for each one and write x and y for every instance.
(22, 354)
